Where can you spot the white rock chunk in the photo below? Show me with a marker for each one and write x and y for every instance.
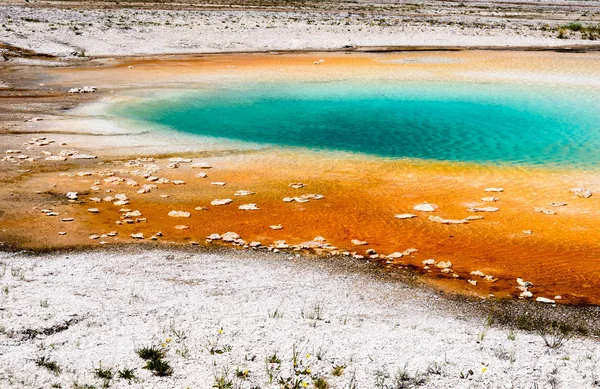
(405, 216)
(425, 207)
(179, 214)
(221, 201)
(248, 207)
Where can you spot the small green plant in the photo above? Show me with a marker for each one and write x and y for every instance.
(242, 374)
(148, 353)
(434, 368)
(512, 335)
(320, 383)
(274, 359)
(159, 367)
(556, 334)
(52, 366)
(126, 374)
(102, 373)
(276, 314)
(315, 312)
(44, 303)
(338, 370)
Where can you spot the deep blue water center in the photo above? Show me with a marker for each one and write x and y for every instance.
(467, 122)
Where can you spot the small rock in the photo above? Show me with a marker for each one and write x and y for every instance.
(94, 236)
(490, 199)
(179, 214)
(178, 182)
(67, 219)
(93, 210)
(201, 165)
(405, 216)
(425, 207)
(218, 183)
(221, 201)
(72, 195)
(214, 237)
(201, 175)
(477, 273)
(201, 209)
(359, 242)
(276, 227)
(62, 233)
(182, 227)
(429, 262)
(494, 190)
(255, 244)
(472, 282)
(545, 300)
(243, 193)
(230, 236)
(296, 185)
(249, 207)
(444, 265)
(483, 209)
(528, 232)
(138, 235)
(545, 211)
(557, 204)
(581, 192)
(438, 219)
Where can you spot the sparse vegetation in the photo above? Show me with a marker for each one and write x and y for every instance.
(126, 374)
(153, 355)
(52, 366)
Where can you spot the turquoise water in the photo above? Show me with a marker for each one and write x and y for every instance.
(467, 122)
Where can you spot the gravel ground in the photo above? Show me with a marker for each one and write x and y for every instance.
(111, 32)
(218, 315)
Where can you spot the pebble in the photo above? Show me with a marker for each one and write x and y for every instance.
(429, 262)
(93, 210)
(201, 208)
(230, 236)
(528, 232)
(221, 201)
(180, 160)
(276, 227)
(297, 185)
(137, 235)
(545, 211)
(178, 182)
(490, 199)
(72, 195)
(62, 233)
(483, 209)
(477, 273)
(218, 183)
(67, 219)
(557, 204)
(405, 216)
(214, 237)
(425, 207)
(243, 193)
(472, 282)
(201, 175)
(581, 192)
(179, 214)
(444, 265)
(494, 190)
(545, 300)
(248, 207)
(438, 219)
(201, 165)
(94, 236)
(182, 227)
(359, 242)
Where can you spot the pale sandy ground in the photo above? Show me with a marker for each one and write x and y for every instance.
(116, 302)
(110, 32)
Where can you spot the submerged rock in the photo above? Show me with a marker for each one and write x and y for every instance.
(249, 207)
(179, 214)
(438, 219)
(494, 190)
(359, 242)
(483, 209)
(221, 201)
(581, 192)
(243, 193)
(425, 207)
(405, 216)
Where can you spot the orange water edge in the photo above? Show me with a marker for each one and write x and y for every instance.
(362, 195)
